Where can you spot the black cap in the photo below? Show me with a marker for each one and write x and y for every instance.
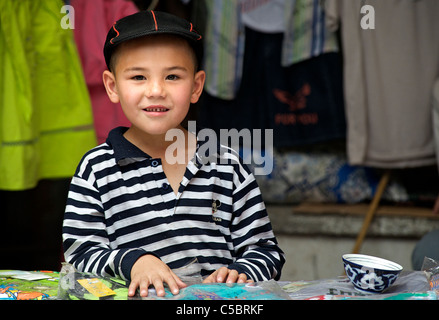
(146, 23)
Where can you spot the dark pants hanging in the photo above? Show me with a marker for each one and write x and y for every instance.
(302, 103)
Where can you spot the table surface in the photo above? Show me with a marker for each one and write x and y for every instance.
(49, 285)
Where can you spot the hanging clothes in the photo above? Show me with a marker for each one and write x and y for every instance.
(93, 19)
(46, 122)
(389, 73)
(267, 16)
(224, 36)
(290, 79)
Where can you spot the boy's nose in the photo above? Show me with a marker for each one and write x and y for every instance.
(155, 89)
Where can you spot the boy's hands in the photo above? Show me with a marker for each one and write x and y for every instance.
(150, 270)
(226, 275)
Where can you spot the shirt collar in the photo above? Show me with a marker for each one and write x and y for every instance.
(124, 151)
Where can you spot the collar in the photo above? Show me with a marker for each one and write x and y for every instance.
(124, 151)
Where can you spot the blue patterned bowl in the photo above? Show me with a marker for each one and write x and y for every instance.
(370, 274)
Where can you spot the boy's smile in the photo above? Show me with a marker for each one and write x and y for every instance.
(156, 110)
(155, 82)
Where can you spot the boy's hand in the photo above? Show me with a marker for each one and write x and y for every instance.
(226, 275)
(150, 270)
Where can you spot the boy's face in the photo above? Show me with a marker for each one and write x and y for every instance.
(155, 81)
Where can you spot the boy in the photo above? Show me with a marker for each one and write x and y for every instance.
(130, 212)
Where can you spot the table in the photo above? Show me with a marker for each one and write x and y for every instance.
(49, 285)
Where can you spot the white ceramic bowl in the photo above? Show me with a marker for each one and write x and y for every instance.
(370, 274)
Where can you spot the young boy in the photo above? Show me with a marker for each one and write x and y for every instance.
(133, 213)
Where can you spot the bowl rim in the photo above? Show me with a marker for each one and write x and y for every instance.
(372, 259)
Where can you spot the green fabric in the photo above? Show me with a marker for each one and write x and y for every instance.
(45, 110)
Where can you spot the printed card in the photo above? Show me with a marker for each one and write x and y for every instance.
(96, 287)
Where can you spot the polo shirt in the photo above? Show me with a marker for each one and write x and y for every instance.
(120, 206)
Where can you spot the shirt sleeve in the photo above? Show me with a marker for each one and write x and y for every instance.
(85, 240)
(258, 253)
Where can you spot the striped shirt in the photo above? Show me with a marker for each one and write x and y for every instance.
(120, 206)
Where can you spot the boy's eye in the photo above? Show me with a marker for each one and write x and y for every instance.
(172, 77)
(138, 78)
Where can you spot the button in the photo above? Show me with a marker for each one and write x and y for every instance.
(165, 186)
(154, 163)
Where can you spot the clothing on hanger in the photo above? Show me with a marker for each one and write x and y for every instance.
(46, 123)
(389, 74)
(93, 19)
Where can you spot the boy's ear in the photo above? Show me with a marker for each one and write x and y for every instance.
(110, 86)
(200, 77)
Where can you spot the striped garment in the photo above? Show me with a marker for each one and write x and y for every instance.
(120, 207)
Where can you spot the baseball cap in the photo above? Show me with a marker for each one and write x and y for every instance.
(144, 23)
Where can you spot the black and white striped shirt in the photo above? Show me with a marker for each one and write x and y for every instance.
(120, 206)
